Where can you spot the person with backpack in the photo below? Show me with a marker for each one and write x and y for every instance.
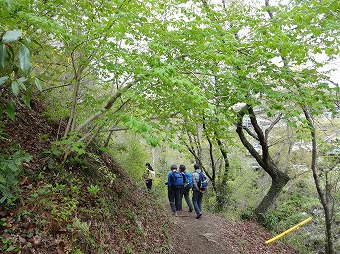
(185, 191)
(149, 176)
(199, 181)
(175, 183)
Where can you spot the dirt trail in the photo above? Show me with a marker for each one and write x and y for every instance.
(214, 235)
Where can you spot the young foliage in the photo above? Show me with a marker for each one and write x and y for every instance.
(10, 169)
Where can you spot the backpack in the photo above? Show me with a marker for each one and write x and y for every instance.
(188, 180)
(177, 179)
(202, 182)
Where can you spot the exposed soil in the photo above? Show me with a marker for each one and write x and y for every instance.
(30, 130)
(213, 234)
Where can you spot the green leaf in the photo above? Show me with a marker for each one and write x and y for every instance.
(28, 97)
(25, 59)
(10, 248)
(3, 55)
(10, 110)
(334, 6)
(22, 79)
(20, 82)
(11, 36)
(15, 88)
(2, 179)
(38, 84)
(3, 79)
(12, 166)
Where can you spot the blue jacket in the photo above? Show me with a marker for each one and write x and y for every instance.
(170, 183)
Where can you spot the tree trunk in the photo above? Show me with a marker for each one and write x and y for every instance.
(279, 178)
(73, 112)
(222, 190)
(324, 196)
(329, 224)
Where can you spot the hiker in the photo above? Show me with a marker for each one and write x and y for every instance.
(199, 181)
(185, 191)
(175, 183)
(149, 176)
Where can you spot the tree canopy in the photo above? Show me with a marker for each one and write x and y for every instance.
(178, 71)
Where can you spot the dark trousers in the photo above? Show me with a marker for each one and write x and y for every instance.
(148, 184)
(197, 197)
(185, 193)
(174, 195)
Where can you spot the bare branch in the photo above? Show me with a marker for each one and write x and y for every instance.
(250, 133)
(270, 13)
(54, 87)
(278, 118)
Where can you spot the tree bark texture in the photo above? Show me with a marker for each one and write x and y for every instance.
(279, 178)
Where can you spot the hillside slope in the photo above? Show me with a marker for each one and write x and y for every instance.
(89, 205)
(84, 205)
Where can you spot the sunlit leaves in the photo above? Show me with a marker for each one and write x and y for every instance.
(151, 140)
(200, 60)
(136, 125)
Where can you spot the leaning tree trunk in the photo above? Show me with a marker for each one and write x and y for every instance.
(279, 178)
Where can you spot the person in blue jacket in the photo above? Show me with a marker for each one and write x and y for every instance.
(185, 191)
(175, 183)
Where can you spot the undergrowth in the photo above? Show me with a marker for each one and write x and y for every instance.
(85, 205)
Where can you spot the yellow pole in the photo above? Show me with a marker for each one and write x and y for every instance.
(289, 230)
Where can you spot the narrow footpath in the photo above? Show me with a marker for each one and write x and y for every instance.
(212, 234)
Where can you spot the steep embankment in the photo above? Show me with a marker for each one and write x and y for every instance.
(84, 205)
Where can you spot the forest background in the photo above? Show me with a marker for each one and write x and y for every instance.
(246, 89)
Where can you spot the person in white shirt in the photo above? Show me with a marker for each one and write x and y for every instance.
(149, 176)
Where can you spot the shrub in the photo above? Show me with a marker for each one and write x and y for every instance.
(10, 169)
